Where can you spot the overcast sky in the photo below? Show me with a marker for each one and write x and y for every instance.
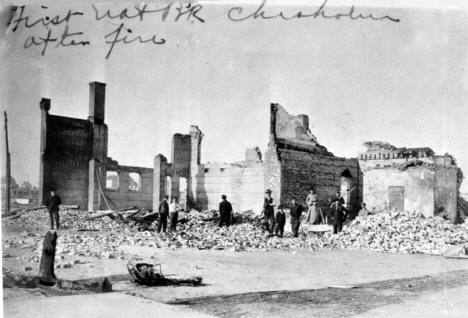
(405, 83)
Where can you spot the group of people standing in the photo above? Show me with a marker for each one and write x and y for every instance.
(170, 211)
(274, 223)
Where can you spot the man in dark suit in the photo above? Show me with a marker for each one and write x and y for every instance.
(280, 221)
(225, 209)
(269, 212)
(163, 213)
(296, 213)
(52, 203)
(338, 215)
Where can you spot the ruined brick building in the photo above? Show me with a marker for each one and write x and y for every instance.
(412, 179)
(74, 159)
(294, 162)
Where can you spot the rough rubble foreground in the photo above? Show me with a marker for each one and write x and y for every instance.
(102, 237)
(401, 232)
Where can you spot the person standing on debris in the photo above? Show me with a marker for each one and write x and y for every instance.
(52, 203)
(338, 215)
(296, 213)
(174, 209)
(364, 211)
(312, 212)
(280, 221)
(163, 213)
(225, 209)
(269, 211)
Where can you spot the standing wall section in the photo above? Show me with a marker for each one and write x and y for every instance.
(67, 150)
(417, 182)
(301, 171)
(447, 187)
(124, 197)
(243, 185)
(272, 172)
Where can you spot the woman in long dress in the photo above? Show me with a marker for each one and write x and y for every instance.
(312, 213)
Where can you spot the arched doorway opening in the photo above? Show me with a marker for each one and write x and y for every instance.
(346, 187)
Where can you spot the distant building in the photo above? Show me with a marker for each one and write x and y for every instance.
(413, 179)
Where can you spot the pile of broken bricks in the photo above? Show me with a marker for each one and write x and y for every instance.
(103, 237)
(401, 232)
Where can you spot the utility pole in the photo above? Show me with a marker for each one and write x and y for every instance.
(7, 170)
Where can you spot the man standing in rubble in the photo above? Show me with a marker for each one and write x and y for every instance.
(225, 209)
(52, 203)
(280, 221)
(174, 209)
(269, 211)
(163, 213)
(338, 215)
(296, 213)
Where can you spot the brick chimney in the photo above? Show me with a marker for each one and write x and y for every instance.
(97, 102)
(44, 104)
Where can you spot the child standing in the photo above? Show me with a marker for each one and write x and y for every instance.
(280, 221)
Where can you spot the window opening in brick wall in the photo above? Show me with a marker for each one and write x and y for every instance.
(112, 180)
(134, 181)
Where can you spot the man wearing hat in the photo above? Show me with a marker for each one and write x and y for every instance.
(163, 214)
(339, 215)
(280, 221)
(52, 203)
(296, 214)
(269, 211)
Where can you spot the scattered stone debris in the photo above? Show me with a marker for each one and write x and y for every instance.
(400, 232)
(457, 251)
(388, 231)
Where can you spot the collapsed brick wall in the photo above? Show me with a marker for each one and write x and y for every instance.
(199, 185)
(74, 160)
(446, 188)
(242, 184)
(417, 184)
(426, 183)
(301, 171)
(65, 155)
(159, 180)
(126, 196)
(272, 171)
(181, 153)
(69, 180)
(295, 162)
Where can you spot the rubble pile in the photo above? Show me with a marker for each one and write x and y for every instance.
(100, 237)
(400, 232)
(245, 236)
(103, 237)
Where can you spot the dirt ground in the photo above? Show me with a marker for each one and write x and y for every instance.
(324, 283)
